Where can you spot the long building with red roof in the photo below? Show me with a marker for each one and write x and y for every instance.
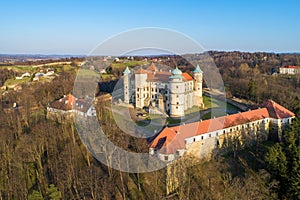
(70, 104)
(169, 91)
(289, 70)
(202, 137)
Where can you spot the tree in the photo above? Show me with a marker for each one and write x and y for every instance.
(277, 162)
(283, 162)
(54, 194)
(35, 195)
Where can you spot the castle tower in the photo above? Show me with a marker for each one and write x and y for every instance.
(140, 88)
(177, 89)
(198, 78)
(127, 86)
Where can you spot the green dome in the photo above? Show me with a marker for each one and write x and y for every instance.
(126, 71)
(198, 70)
(176, 72)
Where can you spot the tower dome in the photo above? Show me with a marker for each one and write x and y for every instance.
(197, 70)
(176, 72)
(126, 71)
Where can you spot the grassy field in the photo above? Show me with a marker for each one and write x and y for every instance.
(215, 103)
(107, 76)
(82, 73)
(21, 69)
(12, 81)
(133, 63)
(215, 113)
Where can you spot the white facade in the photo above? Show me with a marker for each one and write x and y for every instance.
(252, 127)
(292, 70)
(172, 93)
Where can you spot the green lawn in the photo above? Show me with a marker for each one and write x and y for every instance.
(107, 76)
(216, 113)
(12, 81)
(215, 103)
(87, 73)
(21, 69)
(122, 64)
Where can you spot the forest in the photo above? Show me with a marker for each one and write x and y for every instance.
(45, 159)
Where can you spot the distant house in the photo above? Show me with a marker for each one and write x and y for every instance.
(292, 70)
(27, 74)
(70, 104)
(49, 73)
(39, 74)
(103, 71)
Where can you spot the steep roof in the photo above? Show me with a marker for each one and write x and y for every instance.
(159, 76)
(187, 77)
(277, 111)
(171, 139)
(141, 71)
(152, 67)
(64, 103)
(69, 102)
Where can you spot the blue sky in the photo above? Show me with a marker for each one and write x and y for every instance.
(76, 27)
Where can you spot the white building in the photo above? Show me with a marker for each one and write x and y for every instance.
(70, 104)
(289, 70)
(172, 92)
(202, 137)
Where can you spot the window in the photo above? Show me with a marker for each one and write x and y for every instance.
(138, 96)
(176, 107)
(217, 143)
(201, 137)
(209, 135)
(177, 96)
(224, 131)
(177, 103)
(177, 86)
(166, 158)
(194, 139)
(217, 134)
(152, 89)
(138, 89)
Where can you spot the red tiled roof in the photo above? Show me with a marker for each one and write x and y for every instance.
(152, 67)
(187, 77)
(159, 76)
(277, 111)
(172, 138)
(141, 71)
(64, 103)
(69, 102)
(294, 67)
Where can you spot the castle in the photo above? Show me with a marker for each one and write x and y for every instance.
(172, 92)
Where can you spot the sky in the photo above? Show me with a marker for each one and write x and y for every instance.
(77, 27)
